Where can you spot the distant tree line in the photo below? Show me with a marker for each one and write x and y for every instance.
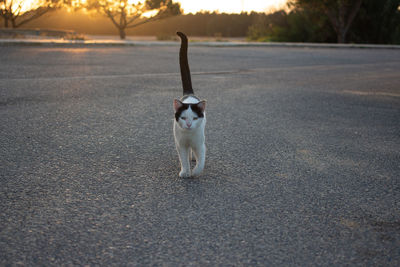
(355, 21)
(202, 24)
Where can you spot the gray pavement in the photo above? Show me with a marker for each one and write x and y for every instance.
(302, 166)
(114, 41)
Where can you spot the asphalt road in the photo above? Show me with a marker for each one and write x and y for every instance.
(302, 167)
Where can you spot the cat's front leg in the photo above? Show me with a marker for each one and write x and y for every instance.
(183, 153)
(200, 153)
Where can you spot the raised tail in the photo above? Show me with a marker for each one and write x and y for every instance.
(183, 62)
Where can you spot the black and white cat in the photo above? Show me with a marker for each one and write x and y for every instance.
(190, 120)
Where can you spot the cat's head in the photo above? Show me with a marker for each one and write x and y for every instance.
(189, 115)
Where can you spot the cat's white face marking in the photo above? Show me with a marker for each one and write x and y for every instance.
(189, 119)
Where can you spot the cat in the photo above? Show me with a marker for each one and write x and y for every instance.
(190, 120)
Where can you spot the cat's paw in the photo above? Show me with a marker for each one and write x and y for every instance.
(184, 174)
(196, 171)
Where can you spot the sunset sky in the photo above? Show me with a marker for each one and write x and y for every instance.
(227, 6)
(230, 6)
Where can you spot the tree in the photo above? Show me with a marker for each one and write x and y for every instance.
(341, 13)
(124, 14)
(19, 12)
(268, 27)
(377, 22)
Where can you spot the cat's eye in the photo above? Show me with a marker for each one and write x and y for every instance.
(183, 118)
(195, 118)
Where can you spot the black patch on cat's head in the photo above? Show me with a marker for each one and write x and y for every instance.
(196, 109)
(193, 107)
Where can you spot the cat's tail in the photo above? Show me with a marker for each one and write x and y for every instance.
(183, 62)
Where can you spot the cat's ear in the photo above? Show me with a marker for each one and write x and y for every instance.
(202, 105)
(177, 104)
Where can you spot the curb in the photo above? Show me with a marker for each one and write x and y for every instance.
(116, 43)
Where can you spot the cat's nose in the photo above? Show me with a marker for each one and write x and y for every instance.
(188, 124)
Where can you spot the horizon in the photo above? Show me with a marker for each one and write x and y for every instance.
(219, 6)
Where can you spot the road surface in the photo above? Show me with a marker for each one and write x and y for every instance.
(303, 157)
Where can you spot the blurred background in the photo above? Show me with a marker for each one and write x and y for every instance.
(317, 21)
